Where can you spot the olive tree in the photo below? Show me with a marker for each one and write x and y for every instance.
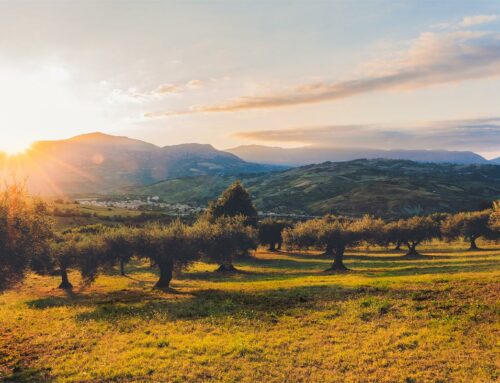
(168, 246)
(224, 239)
(270, 233)
(335, 236)
(85, 253)
(467, 225)
(413, 231)
(494, 222)
(119, 246)
(25, 232)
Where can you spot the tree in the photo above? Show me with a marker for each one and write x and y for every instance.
(86, 253)
(335, 235)
(169, 247)
(224, 239)
(494, 222)
(468, 225)
(413, 231)
(118, 242)
(233, 202)
(25, 232)
(270, 233)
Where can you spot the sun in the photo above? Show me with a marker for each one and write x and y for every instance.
(13, 146)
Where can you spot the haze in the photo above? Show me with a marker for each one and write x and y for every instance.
(379, 74)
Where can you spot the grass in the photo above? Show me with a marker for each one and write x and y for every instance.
(432, 319)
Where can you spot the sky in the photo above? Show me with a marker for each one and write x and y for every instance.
(383, 74)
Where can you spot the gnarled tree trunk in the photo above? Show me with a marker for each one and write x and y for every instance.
(412, 249)
(473, 245)
(65, 283)
(122, 267)
(272, 246)
(226, 267)
(166, 269)
(338, 259)
(398, 246)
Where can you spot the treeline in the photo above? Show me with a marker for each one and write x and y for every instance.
(228, 229)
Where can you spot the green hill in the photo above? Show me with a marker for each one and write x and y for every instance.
(386, 188)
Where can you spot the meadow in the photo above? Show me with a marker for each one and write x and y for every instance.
(433, 318)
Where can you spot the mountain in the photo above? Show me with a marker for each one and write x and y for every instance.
(97, 162)
(386, 188)
(315, 155)
(495, 161)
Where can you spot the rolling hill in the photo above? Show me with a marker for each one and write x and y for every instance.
(97, 163)
(386, 188)
(315, 154)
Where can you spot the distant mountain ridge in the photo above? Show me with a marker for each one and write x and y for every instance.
(97, 163)
(386, 188)
(316, 154)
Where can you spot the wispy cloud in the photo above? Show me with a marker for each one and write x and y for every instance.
(159, 92)
(470, 21)
(474, 134)
(432, 59)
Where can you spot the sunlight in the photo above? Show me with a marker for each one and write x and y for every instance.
(40, 103)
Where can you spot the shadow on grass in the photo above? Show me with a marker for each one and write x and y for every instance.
(264, 306)
(24, 374)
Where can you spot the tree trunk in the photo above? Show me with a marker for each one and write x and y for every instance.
(166, 269)
(328, 250)
(338, 260)
(122, 267)
(398, 246)
(412, 249)
(65, 284)
(272, 246)
(473, 245)
(279, 245)
(226, 267)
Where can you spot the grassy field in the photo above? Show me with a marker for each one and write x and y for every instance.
(432, 319)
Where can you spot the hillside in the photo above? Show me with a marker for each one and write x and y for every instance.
(386, 188)
(314, 155)
(99, 162)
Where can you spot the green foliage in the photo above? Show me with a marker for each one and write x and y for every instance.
(85, 252)
(494, 221)
(224, 239)
(119, 243)
(25, 231)
(270, 232)
(468, 225)
(413, 231)
(334, 234)
(168, 246)
(235, 201)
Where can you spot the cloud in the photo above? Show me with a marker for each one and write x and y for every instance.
(166, 88)
(473, 134)
(432, 59)
(195, 84)
(159, 92)
(477, 20)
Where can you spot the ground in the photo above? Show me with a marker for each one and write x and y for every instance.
(431, 319)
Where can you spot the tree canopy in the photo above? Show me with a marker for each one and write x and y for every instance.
(233, 202)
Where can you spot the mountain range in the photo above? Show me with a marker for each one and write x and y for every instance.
(317, 154)
(99, 163)
(382, 187)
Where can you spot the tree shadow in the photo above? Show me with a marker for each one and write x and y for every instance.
(258, 306)
(23, 373)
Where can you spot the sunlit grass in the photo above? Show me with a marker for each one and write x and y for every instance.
(391, 319)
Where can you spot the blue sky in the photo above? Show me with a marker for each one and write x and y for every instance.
(386, 74)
